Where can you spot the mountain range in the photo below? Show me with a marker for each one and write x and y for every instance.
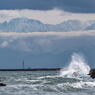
(31, 25)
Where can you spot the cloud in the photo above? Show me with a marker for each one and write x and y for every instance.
(77, 6)
(15, 35)
(54, 16)
(4, 44)
(48, 17)
(47, 42)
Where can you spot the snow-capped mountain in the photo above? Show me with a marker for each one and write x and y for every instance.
(23, 25)
(30, 25)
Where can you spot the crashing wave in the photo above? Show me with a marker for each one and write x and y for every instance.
(76, 68)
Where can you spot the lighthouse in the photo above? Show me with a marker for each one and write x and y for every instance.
(23, 65)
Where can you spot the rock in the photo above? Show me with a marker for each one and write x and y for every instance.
(2, 84)
(92, 73)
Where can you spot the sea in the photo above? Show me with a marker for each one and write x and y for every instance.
(70, 80)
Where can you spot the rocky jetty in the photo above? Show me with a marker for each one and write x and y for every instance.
(92, 73)
(2, 84)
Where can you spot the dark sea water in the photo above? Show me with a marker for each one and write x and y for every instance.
(44, 83)
(71, 80)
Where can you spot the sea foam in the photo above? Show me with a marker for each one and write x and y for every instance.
(77, 67)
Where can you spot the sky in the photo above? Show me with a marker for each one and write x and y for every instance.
(45, 49)
(77, 6)
(47, 10)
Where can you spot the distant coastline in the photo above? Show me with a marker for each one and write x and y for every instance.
(37, 69)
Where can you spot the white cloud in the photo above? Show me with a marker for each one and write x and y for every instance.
(54, 16)
(4, 44)
(55, 34)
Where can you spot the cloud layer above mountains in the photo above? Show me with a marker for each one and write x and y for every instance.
(77, 6)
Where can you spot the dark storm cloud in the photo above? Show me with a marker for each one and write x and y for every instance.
(77, 6)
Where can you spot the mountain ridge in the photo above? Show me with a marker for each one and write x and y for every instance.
(31, 25)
